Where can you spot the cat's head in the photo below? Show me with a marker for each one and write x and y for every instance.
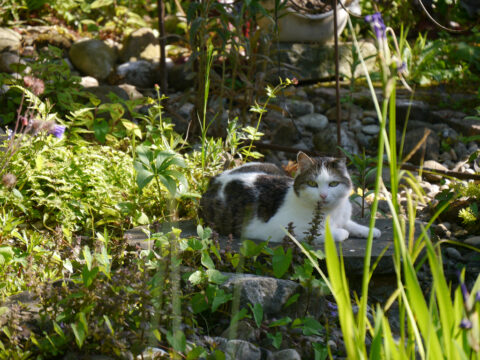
(323, 179)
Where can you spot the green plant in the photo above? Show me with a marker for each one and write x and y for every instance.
(363, 165)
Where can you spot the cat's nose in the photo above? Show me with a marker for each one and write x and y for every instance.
(323, 196)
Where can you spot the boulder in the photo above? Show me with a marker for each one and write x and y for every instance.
(93, 57)
(313, 121)
(429, 150)
(297, 108)
(9, 62)
(242, 350)
(269, 292)
(287, 354)
(142, 44)
(142, 73)
(9, 40)
(325, 141)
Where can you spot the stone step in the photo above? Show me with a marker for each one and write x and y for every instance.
(353, 248)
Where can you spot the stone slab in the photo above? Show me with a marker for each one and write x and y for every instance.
(353, 248)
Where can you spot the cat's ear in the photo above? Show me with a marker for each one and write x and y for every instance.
(304, 161)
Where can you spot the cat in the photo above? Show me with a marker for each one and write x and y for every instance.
(257, 200)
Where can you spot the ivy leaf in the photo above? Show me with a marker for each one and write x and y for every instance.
(281, 261)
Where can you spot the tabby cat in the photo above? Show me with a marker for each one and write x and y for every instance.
(258, 200)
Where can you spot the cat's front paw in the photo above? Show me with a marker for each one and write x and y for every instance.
(376, 233)
(340, 235)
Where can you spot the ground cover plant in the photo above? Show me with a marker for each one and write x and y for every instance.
(78, 173)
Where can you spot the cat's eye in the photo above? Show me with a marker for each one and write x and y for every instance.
(333, 183)
(312, 183)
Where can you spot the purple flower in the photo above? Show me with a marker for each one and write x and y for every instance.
(466, 324)
(477, 297)
(58, 131)
(376, 22)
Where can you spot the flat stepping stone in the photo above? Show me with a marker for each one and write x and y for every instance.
(353, 248)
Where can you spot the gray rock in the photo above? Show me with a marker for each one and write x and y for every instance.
(372, 129)
(185, 110)
(320, 105)
(417, 110)
(331, 114)
(93, 57)
(9, 62)
(180, 77)
(368, 120)
(363, 140)
(287, 354)
(103, 92)
(269, 292)
(326, 140)
(152, 353)
(429, 150)
(313, 121)
(242, 350)
(468, 126)
(474, 241)
(9, 40)
(286, 135)
(454, 254)
(141, 44)
(461, 150)
(133, 93)
(243, 330)
(434, 165)
(297, 108)
(316, 60)
(88, 81)
(142, 73)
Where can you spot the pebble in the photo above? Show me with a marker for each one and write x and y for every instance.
(313, 121)
(453, 253)
(371, 129)
(474, 241)
(367, 120)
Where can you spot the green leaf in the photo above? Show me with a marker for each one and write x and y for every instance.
(101, 3)
(143, 177)
(101, 129)
(195, 244)
(80, 333)
(89, 275)
(109, 324)
(216, 277)
(169, 183)
(177, 340)
(196, 353)
(6, 254)
(281, 322)
(292, 299)
(281, 261)
(320, 350)
(276, 339)
(207, 260)
(221, 297)
(251, 249)
(196, 278)
(257, 311)
(199, 303)
(87, 256)
(239, 315)
(311, 327)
